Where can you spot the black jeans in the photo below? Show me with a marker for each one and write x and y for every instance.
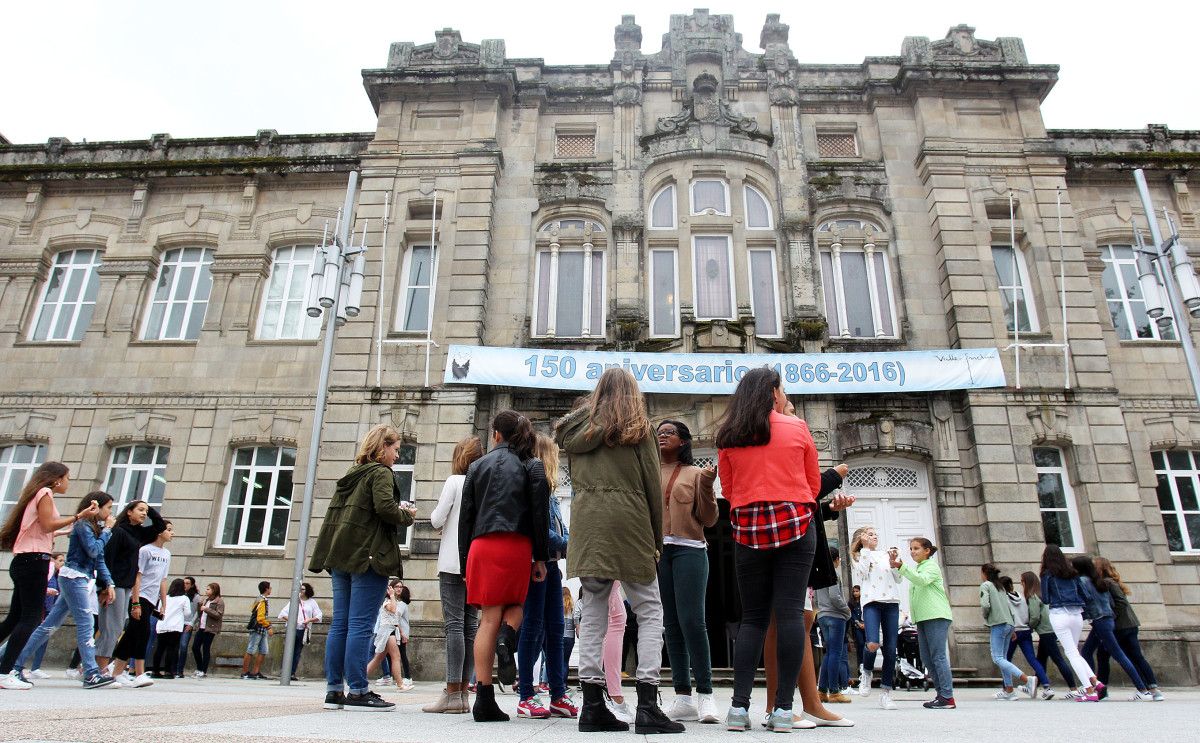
(771, 580)
(297, 648)
(166, 653)
(1127, 639)
(202, 649)
(29, 572)
(132, 644)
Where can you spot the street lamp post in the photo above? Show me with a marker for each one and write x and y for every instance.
(335, 290)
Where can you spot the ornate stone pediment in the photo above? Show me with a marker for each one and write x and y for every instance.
(264, 429)
(960, 45)
(706, 107)
(141, 426)
(572, 186)
(885, 434)
(26, 427)
(449, 50)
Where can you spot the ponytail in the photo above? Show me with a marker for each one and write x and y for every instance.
(925, 544)
(517, 432)
(993, 575)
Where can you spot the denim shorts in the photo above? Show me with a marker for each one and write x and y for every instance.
(257, 644)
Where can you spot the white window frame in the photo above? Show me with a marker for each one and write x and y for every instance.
(674, 252)
(174, 258)
(588, 323)
(1026, 289)
(1112, 263)
(411, 470)
(1072, 507)
(14, 475)
(117, 480)
(249, 472)
(674, 209)
(1179, 513)
(839, 290)
(310, 327)
(696, 286)
(78, 306)
(713, 212)
(746, 189)
(750, 251)
(406, 288)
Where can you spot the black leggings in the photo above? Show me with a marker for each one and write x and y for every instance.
(404, 660)
(132, 644)
(166, 652)
(30, 573)
(202, 649)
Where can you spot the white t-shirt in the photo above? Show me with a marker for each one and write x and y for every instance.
(153, 563)
(173, 614)
(308, 611)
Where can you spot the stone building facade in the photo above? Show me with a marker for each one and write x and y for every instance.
(695, 198)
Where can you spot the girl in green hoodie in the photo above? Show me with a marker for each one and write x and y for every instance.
(929, 608)
(997, 615)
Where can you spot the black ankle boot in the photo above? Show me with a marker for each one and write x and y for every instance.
(506, 653)
(594, 715)
(485, 709)
(650, 719)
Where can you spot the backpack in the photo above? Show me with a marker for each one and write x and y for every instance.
(253, 623)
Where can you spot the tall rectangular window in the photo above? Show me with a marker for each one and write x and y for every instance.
(764, 296)
(1126, 305)
(69, 297)
(1178, 473)
(664, 293)
(418, 283)
(570, 293)
(712, 277)
(402, 473)
(137, 473)
(17, 463)
(180, 296)
(1014, 288)
(857, 291)
(1060, 517)
(284, 314)
(258, 500)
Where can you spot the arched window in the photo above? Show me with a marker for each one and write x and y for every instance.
(856, 280)
(180, 297)
(569, 273)
(662, 209)
(69, 297)
(758, 210)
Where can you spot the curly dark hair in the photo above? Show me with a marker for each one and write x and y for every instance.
(685, 435)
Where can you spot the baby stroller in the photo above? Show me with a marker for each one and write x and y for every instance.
(910, 672)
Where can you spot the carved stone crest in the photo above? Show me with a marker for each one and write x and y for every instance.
(706, 107)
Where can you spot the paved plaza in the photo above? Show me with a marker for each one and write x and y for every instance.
(219, 710)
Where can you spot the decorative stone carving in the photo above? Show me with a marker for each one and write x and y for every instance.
(142, 426)
(449, 50)
(627, 94)
(628, 35)
(268, 429)
(402, 418)
(250, 202)
(26, 427)
(1171, 431)
(885, 434)
(1050, 424)
(33, 205)
(706, 107)
(137, 208)
(572, 186)
(960, 45)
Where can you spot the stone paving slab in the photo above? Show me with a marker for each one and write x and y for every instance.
(227, 710)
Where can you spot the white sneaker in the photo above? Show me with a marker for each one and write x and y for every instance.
(1156, 695)
(1047, 693)
(1142, 696)
(38, 673)
(199, 674)
(13, 682)
(706, 709)
(683, 708)
(847, 691)
(143, 680)
(125, 681)
(74, 674)
(621, 711)
(407, 685)
(385, 681)
(1007, 696)
(885, 700)
(864, 682)
(1030, 687)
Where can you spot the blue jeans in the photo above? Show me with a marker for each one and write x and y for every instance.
(356, 601)
(833, 665)
(932, 638)
(1000, 635)
(881, 616)
(73, 598)
(184, 640)
(568, 646)
(683, 581)
(542, 630)
(1102, 635)
(1023, 638)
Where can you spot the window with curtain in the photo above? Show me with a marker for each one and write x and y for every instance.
(258, 500)
(569, 268)
(758, 210)
(417, 283)
(764, 297)
(68, 297)
(1126, 305)
(180, 297)
(1014, 288)
(664, 293)
(662, 209)
(284, 314)
(856, 283)
(712, 277)
(710, 196)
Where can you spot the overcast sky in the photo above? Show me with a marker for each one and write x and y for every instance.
(125, 70)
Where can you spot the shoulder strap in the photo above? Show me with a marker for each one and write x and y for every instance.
(674, 477)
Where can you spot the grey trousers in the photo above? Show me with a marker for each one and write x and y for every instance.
(461, 622)
(112, 622)
(647, 607)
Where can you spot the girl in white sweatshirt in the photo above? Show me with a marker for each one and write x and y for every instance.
(880, 586)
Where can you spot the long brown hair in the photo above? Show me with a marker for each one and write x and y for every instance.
(992, 573)
(1055, 563)
(377, 439)
(618, 408)
(747, 419)
(1031, 584)
(43, 477)
(101, 499)
(517, 432)
(465, 452)
(546, 450)
(1109, 572)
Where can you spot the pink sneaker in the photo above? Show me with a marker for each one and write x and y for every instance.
(532, 707)
(1087, 698)
(564, 707)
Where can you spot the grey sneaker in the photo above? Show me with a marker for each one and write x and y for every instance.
(1007, 696)
(780, 720)
(1030, 687)
(1156, 695)
(737, 719)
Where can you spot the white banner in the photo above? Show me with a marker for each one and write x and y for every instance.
(718, 374)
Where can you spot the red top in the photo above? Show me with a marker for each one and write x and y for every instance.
(785, 470)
